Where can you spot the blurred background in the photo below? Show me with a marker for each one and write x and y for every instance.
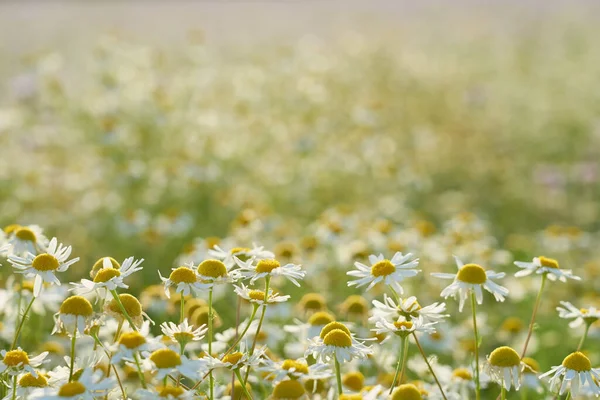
(135, 128)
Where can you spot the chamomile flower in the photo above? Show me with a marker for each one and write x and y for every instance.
(28, 384)
(574, 373)
(167, 361)
(185, 280)
(269, 267)
(390, 272)
(336, 342)
(132, 307)
(578, 315)
(183, 333)
(258, 296)
(108, 276)
(243, 253)
(26, 239)
(294, 369)
(131, 343)
(407, 391)
(288, 390)
(90, 385)
(472, 278)
(73, 316)
(544, 265)
(408, 308)
(504, 366)
(44, 266)
(165, 393)
(402, 326)
(212, 271)
(16, 361)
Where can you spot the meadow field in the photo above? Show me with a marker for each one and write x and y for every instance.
(300, 200)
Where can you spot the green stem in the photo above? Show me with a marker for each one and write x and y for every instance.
(429, 366)
(139, 369)
(181, 306)
(241, 336)
(14, 388)
(402, 356)
(568, 396)
(477, 383)
(585, 333)
(210, 339)
(18, 331)
(533, 315)
(244, 388)
(338, 376)
(503, 391)
(123, 310)
(260, 322)
(73, 339)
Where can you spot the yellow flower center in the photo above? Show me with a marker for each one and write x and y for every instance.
(462, 373)
(383, 268)
(173, 391)
(183, 275)
(354, 381)
(320, 318)
(436, 336)
(132, 340)
(8, 229)
(577, 362)
(212, 241)
(233, 357)
(472, 273)
(98, 265)
(290, 389)
(531, 365)
(297, 365)
(351, 397)
(77, 305)
(212, 268)
(239, 392)
(256, 295)
(512, 325)
(165, 358)
(334, 325)
(200, 316)
(71, 389)
(53, 347)
(28, 286)
(548, 262)
(406, 392)
(403, 324)
(29, 380)
(45, 262)
(183, 337)
(130, 303)
(25, 234)
(312, 302)
(504, 357)
(355, 304)
(106, 274)
(267, 265)
(14, 358)
(338, 338)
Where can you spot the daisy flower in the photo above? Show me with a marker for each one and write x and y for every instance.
(73, 316)
(243, 253)
(269, 267)
(406, 391)
(408, 308)
(574, 373)
(402, 327)
(185, 280)
(89, 386)
(28, 384)
(547, 266)
(214, 271)
(288, 390)
(108, 276)
(578, 315)
(16, 361)
(166, 362)
(132, 306)
(472, 278)
(238, 359)
(336, 343)
(165, 393)
(391, 272)
(183, 333)
(131, 343)
(294, 369)
(504, 366)
(258, 296)
(44, 266)
(26, 239)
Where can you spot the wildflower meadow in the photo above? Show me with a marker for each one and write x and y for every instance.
(384, 211)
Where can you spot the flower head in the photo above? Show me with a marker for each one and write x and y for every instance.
(269, 267)
(546, 266)
(575, 372)
(185, 280)
(390, 272)
(504, 366)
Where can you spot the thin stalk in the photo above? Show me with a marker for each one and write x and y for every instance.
(533, 315)
(503, 391)
(139, 370)
(123, 310)
(568, 396)
(244, 388)
(260, 322)
(338, 376)
(240, 337)
(402, 356)
(181, 306)
(18, 331)
(429, 366)
(73, 339)
(585, 333)
(210, 339)
(474, 312)
(237, 326)
(14, 388)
